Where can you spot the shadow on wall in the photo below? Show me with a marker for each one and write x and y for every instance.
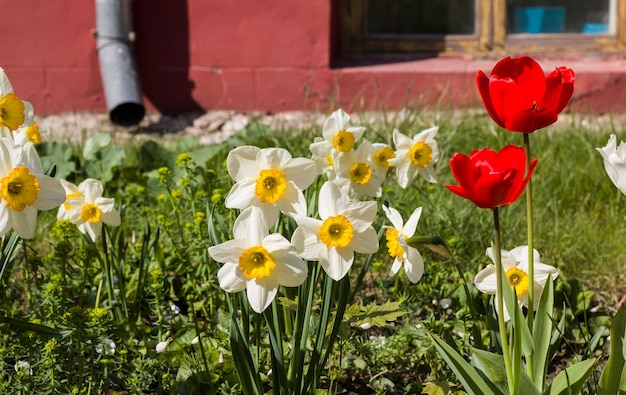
(162, 53)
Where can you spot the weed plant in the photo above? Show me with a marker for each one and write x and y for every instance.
(140, 312)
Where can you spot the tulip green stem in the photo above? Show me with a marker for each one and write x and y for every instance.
(531, 260)
(513, 390)
(531, 256)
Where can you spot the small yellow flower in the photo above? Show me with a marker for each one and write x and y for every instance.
(33, 134)
(382, 156)
(336, 231)
(518, 279)
(343, 141)
(19, 189)
(11, 111)
(270, 186)
(256, 262)
(90, 213)
(421, 154)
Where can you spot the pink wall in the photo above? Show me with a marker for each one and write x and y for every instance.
(268, 55)
(191, 55)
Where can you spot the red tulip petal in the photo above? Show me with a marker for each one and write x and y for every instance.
(466, 194)
(483, 160)
(463, 171)
(492, 189)
(530, 77)
(530, 120)
(521, 187)
(508, 99)
(559, 89)
(483, 88)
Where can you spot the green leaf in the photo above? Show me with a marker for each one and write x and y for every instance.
(609, 384)
(492, 367)
(542, 333)
(572, 379)
(94, 144)
(472, 382)
(374, 314)
(38, 328)
(436, 388)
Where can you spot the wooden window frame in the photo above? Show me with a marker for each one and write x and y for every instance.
(489, 37)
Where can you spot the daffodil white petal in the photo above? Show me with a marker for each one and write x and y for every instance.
(252, 225)
(230, 278)
(394, 217)
(241, 195)
(242, 162)
(396, 266)
(5, 84)
(24, 222)
(301, 171)
(260, 294)
(411, 223)
(365, 242)
(414, 265)
(51, 193)
(292, 272)
(337, 262)
(486, 280)
(229, 251)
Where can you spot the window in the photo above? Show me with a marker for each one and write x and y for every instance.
(481, 26)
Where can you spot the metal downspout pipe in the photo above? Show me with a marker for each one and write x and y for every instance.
(117, 62)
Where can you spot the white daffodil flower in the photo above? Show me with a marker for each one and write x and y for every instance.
(337, 135)
(270, 179)
(87, 209)
(345, 228)
(415, 156)
(615, 162)
(26, 133)
(257, 261)
(403, 254)
(382, 154)
(14, 112)
(24, 189)
(515, 265)
(357, 173)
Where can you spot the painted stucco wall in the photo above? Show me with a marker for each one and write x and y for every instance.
(191, 55)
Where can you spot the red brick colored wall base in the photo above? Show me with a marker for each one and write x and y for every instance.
(274, 55)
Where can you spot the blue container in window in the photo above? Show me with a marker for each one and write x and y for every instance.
(595, 28)
(539, 20)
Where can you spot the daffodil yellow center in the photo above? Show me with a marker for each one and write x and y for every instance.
(518, 280)
(32, 132)
(336, 231)
(330, 161)
(90, 213)
(343, 141)
(382, 156)
(256, 262)
(421, 154)
(19, 188)
(360, 173)
(69, 197)
(270, 186)
(393, 243)
(11, 111)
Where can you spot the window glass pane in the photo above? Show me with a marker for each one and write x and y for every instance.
(561, 16)
(429, 17)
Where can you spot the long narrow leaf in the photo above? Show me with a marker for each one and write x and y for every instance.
(37, 328)
(492, 367)
(571, 380)
(609, 381)
(542, 333)
(467, 375)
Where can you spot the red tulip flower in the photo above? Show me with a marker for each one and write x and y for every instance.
(491, 179)
(520, 97)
